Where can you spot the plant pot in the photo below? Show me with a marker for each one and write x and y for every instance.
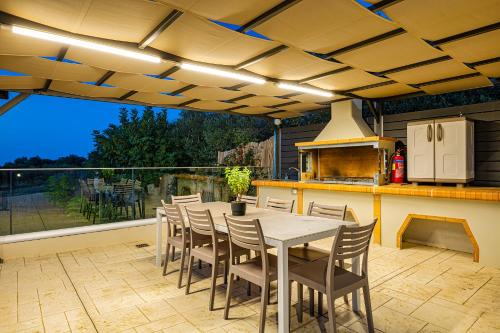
(238, 208)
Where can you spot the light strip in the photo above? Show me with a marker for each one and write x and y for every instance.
(306, 90)
(81, 43)
(221, 72)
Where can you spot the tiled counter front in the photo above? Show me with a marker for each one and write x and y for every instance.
(482, 217)
(392, 204)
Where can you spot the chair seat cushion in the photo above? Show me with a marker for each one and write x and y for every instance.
(313, 274)
(308, 253)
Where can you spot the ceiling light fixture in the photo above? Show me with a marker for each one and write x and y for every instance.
(222, 73)
(85, 44)
(304, 89)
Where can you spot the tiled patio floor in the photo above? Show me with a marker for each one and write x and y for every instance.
(118, 289)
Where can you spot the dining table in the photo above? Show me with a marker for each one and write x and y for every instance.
(281, 230)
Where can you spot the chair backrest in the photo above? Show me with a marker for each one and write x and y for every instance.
(246, 234)
(186, 199)
(278, 204)
(250, 200)
(173, 214)
(327, 211)
(201, 223)
(350, 242)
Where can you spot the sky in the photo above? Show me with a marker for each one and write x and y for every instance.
(51, 127)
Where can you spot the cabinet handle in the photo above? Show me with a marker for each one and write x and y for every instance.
(439, 132)
(429, 133)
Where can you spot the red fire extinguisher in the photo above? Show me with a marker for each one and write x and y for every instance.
(398, 168)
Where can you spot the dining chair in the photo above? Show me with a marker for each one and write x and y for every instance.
(216, 251)
(250, 200)
(260, 270)
(186, 199)
(280, 205)
(308, 253)
(334, 281)
(177, 236)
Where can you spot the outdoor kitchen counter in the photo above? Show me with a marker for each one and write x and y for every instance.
(464, 219)
(447, 192)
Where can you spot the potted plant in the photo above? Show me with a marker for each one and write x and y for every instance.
(238, 180)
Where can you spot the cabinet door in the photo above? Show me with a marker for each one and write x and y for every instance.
(421, 151)
(450, 150)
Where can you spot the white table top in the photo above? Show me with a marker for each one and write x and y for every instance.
(276, 226)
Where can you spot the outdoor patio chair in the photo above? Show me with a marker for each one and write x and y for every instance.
(261, 270)
(216, 251)
(280, 205)
(250, 200)
(308, 253)
(334, 281)
(177, 236)
(186, 199)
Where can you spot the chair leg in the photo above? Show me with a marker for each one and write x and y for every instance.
(269, 294)
(228, 295)
(332, 320)
(368, 305)
(173, 253)
(263, 307)
(226, 271)
(181, 268)
(300, 295)
(311, 302)
(190, 272)
(320, 304)
(199, 264)
(215, 267)
(249, 288)
(166, 259)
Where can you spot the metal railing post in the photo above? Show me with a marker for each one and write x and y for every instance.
(10, 203)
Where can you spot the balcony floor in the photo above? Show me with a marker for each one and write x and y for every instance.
(118, 289)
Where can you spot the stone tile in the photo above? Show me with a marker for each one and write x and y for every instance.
(56, 323)
(444, 317)
(488, 322)
(184, 327)
(389, 321)
(119, 320)
(161, 324)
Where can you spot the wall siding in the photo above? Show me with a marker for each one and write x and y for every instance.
(289, 153)
(487, 136)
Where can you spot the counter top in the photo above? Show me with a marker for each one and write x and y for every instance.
(447, 192)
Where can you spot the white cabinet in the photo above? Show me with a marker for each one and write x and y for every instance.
(441, 150)
(421, 145)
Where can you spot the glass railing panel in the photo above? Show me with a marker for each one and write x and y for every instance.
(47, 199)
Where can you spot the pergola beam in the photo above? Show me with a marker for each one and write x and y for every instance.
(460, 77)
(60, 57)
(261, 57)
(151, 37)
(104, 78)
(366, 42)
(13, 102)
(383, 5)
(268, 15)
(467, 34)
(414, 65)
(322, 75)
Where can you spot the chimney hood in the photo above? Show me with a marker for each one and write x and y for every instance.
(346, 122)
(346, 128)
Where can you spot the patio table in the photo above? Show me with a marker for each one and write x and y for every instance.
(281, 230)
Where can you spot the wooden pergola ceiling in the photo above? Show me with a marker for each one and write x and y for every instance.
(426, 46)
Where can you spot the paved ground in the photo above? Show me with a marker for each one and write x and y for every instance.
(118, 289)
